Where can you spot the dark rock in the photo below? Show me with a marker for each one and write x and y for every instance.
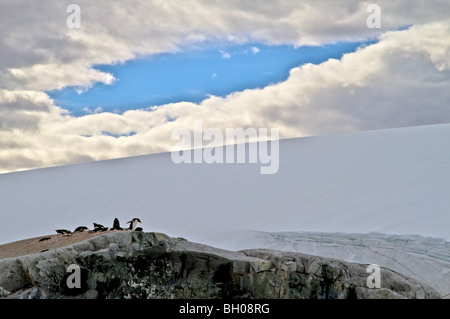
(153, 265)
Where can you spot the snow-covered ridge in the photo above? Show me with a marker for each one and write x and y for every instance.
(395, 182)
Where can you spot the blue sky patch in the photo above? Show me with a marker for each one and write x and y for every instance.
(193, 75)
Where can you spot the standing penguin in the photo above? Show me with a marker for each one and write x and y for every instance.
(133, 223)
(116, 225)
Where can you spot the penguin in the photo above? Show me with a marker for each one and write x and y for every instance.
(133, 223)
(44, 238)
(98, 227)
(116, 225)
(138, 229)
(80, 229)
(64, 232)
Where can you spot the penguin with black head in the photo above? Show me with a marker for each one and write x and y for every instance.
(133, 223)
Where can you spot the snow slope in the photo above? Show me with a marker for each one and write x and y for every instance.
(395, 182)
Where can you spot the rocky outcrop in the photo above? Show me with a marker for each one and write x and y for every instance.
(153, 265)
(424, 259)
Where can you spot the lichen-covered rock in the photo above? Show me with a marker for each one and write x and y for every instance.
(152, 265)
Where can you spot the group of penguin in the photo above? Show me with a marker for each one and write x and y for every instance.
(100, 228)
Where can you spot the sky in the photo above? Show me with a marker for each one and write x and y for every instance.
(192, 75)
(118, 84)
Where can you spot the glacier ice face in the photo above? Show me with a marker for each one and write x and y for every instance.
(422, 258)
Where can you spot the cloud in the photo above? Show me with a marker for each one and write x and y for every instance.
(224, 54)
(41, 53)
(254, 50)
(401, 80)
(98, 109)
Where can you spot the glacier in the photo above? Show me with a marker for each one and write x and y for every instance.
(379, 196)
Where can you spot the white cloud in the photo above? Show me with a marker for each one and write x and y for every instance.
(254, 50)
(224, 54)
(41, 53)
(402, 80)
(98, 109)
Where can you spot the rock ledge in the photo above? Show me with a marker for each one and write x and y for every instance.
(139, 265)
